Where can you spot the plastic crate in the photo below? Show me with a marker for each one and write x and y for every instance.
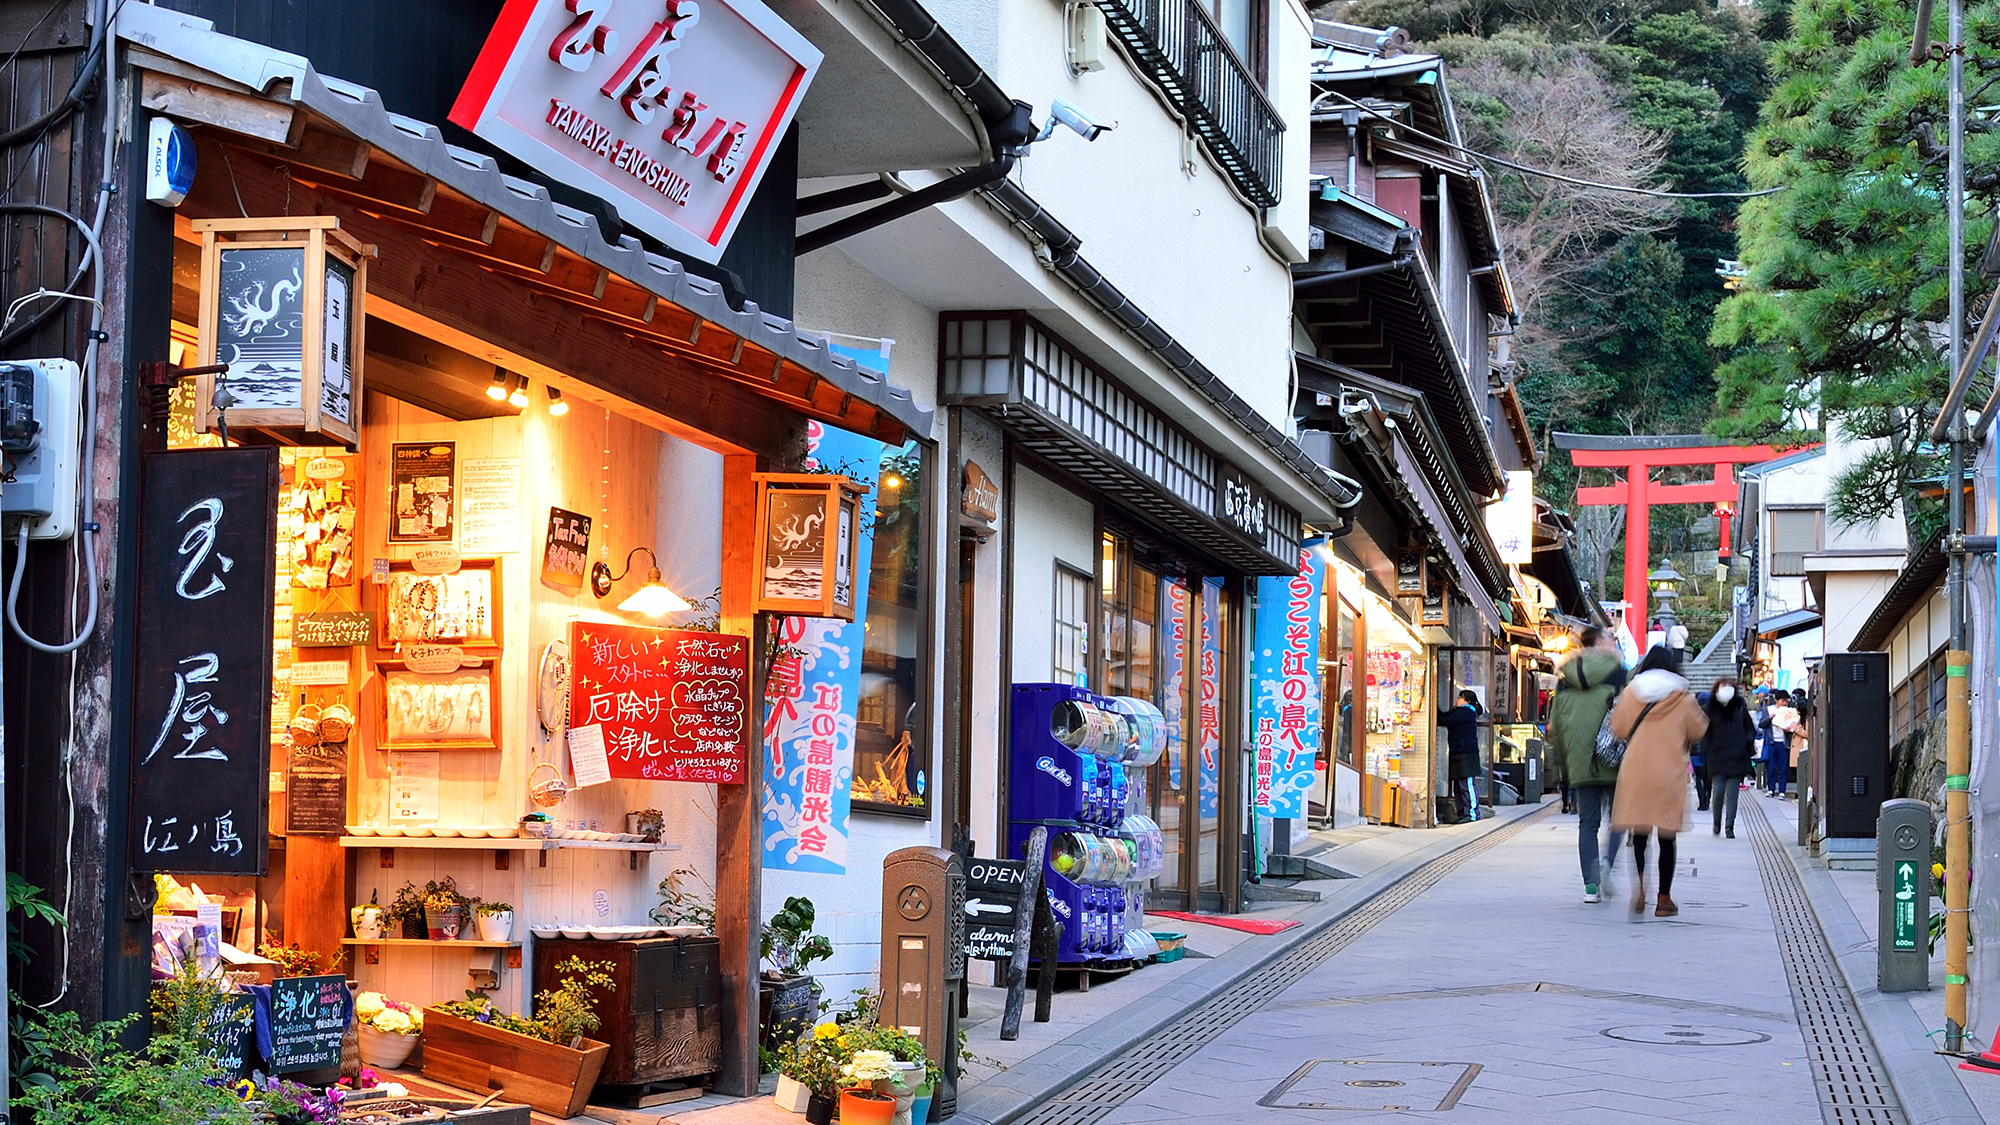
(1173, 946)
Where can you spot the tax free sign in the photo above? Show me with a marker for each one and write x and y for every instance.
(670, 109)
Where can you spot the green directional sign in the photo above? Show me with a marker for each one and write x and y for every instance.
(1904, 882)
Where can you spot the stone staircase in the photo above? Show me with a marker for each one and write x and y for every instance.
(1716, 660)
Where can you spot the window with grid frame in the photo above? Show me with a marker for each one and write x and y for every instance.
(1939, 681)
(1072, 627)
(1795, 533)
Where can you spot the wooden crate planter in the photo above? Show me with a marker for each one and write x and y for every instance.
(663, 1018)
(476, 1056)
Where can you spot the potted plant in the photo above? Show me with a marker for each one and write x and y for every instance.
(786, 995)
(918, 1075)
(860, 1103)
(683, 906)
(293, 960)
(445, 909)
(547, 1059)
(388, 1029)
(809, 1074)
(496, 921)
(406, 912)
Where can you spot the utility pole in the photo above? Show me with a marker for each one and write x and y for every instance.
(1951, 421)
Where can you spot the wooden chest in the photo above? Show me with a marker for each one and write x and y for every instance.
(664, 1020)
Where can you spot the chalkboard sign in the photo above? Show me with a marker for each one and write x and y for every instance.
(992, 901)
(672, 705)
(201, 711)
(566, 550)
(316, 790)
(332, 630)
(229, 1037)
(308, 1018)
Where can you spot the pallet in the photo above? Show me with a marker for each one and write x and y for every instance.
(645, 1095)
(1085, 970)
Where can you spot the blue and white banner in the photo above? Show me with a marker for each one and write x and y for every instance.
(814, 692)
(1285, 672)
(1173, 672)
(1208, 778)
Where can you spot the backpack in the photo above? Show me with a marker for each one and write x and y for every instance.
(1611, 748)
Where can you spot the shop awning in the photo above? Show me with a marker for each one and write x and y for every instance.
(604, 313)
(1786, 624)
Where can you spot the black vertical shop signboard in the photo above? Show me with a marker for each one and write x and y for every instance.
(201, 717)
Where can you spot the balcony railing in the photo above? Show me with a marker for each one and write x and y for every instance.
(1186, 56)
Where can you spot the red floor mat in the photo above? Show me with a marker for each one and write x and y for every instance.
(1229, 921)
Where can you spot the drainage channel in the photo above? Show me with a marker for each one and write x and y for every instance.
(1853, 1089)
(1112, 1084)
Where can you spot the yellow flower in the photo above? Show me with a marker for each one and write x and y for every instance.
(826, 1031)
(1937, 870)
(368, 1004)
(244, 1089)
(842, 1040)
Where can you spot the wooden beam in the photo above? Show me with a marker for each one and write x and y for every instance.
(203, 104)
(1358, 340)
(739, 890)
(461, 305)
(319, 149)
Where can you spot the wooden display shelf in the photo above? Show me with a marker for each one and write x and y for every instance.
(500, 844)
(455, 943)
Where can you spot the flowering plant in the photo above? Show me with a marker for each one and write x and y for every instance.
(815, 1062)
(289, 1103)
(870, 1065)
(393, 1016)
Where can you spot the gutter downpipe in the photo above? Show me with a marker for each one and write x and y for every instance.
(944, 191)
(1310, 282)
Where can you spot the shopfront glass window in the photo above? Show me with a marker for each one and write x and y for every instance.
(1398, 746)
(891, 738)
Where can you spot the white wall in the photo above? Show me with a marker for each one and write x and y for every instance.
(980, 441)
(1050, 524)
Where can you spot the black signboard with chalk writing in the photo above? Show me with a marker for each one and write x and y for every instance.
(308, 1018)
(201, 707)
(229, 1037)
(992, 901)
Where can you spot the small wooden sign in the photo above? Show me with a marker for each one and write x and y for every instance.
(566, 550)
(808, 537)
(423, 492)
(672, 705)
(332, 630)
(316, 790)
(319, 673)
(979, 497)
(1410, 572)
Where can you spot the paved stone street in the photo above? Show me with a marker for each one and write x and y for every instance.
(1500, 995)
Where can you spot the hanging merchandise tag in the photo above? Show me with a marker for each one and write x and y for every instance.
(380, 576)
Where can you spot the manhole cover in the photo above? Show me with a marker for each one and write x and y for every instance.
(1359, 1085)
(1714, 905)
(1686, 1035)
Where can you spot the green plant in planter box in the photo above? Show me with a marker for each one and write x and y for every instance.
(96, 1080)
(564, 1013)
(789, 944)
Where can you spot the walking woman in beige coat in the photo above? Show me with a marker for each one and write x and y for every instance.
(1659, 719)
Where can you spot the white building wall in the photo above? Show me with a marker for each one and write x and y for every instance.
(1051, 524)
(980, 441)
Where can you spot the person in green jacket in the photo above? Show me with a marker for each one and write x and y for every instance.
(1588, 682)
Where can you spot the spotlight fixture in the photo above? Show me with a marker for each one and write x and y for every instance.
(557, 406)
(497, 389)
(519, 395)
(652, 599)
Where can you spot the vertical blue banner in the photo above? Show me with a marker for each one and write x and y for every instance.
(1173, 672)
(1208, 777)
(1285, 673)
(814, 694)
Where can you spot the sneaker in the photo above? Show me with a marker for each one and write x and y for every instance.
(1590, 893)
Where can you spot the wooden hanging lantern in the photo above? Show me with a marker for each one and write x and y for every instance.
(283, 302)
(808, 538)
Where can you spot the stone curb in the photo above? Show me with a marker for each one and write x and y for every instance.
(1037, 1079)
(1923, 1080)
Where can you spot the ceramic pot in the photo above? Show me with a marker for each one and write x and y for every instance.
(903, 1089)
(443, 925)
(819, 1110)
(367, 922)
(863, 1106)
(920, 1109)
(385, 1049)
(496, 927)
(792, 1096)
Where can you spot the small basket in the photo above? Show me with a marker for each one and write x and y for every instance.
(336, 723)
(305, 728)
(550, 791)
(1173, 946)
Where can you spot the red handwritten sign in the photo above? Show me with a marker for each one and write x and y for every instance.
(674, 705)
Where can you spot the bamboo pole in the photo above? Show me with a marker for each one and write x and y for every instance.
(1958, 837)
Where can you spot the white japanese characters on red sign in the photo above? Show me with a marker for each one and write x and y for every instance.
(670, 109)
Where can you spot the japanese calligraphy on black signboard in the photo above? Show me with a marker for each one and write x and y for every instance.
(308, 1018)
(228, 1036)
(201, 709)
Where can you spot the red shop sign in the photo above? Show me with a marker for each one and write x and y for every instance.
(671, 109)
(674, 705)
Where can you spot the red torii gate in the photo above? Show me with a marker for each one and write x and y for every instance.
(1638, 456)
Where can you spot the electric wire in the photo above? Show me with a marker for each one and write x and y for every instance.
(1530, 170)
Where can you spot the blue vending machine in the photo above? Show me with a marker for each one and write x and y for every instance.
(1067, 774)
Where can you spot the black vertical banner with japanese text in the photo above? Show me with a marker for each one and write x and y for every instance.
(201, 721)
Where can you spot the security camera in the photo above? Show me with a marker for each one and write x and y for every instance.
(1063, 113)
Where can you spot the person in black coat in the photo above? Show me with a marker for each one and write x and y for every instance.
(1729, 746)
(1461, 725)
